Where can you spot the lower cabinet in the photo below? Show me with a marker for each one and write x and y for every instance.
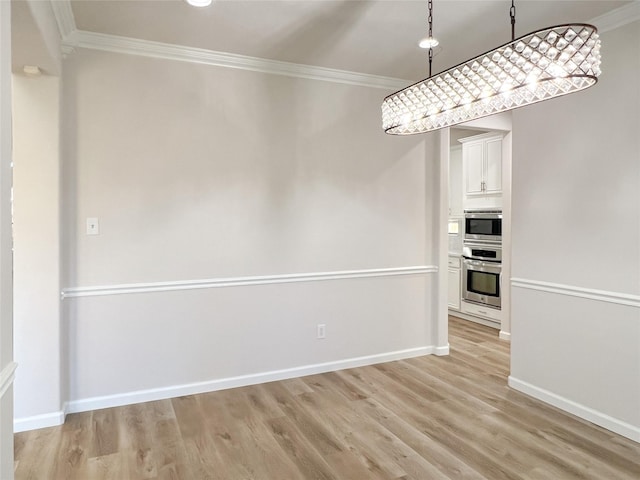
(455, 293)
(482, 311)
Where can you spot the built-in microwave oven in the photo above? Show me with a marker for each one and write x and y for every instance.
(483, 226)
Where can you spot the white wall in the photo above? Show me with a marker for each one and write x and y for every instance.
(37, 249)
(35, 37)
(7, 365)
(507, 244)
(455, 180)
(200, 172)
(576, 229)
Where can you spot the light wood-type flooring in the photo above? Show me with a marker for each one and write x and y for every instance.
(425, 418)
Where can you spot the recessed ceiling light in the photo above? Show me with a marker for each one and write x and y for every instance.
(199, 3)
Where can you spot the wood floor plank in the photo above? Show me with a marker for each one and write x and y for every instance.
(107, 467)
(204, 461)
(451, 417)
(301, 452)
(41, 449)
(189, 415)
(78, 444)
(493, 391)
(338, 455)
(168, 449)
(349, 426)
(448, 463)
(296, 386)
(267, 459)
(136, 441)
(105, 429)
(262, 403)
(308, 423)
(459, 438)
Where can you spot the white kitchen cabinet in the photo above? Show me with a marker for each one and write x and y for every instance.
(482, 171)
(493, 166)
(487, 313)
(473, 168)
(454, 291)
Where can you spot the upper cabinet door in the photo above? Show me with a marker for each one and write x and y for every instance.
(482, 171)
(493, 166)
(473, 158)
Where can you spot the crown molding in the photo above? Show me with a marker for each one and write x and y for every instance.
(73, 38)
(64, 17)
(166, 51)
(617, 18)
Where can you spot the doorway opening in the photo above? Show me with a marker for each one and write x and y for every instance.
(476, 233)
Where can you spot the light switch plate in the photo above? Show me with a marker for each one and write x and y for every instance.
(93, 226)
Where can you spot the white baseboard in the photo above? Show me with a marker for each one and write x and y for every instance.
(505, 336)
(40, 421)
(602, 419)
(108, 401)
(441, 351)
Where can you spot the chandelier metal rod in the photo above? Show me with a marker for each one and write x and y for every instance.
(430, 19)
(512, 14)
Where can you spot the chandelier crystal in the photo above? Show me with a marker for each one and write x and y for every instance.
(544, 64)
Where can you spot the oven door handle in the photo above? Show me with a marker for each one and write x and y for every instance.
(481, 266)
(475, 263)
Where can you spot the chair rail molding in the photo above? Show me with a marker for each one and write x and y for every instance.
(243, 281)
(573, 291)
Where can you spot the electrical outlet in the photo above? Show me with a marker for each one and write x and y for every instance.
(322, 330)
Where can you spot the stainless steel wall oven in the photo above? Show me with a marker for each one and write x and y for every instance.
(481, 271)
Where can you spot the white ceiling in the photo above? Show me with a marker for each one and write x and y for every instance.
(369, 36)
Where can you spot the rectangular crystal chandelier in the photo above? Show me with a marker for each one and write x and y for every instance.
(544, 64)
